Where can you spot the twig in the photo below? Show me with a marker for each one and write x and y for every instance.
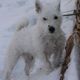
(71, 14)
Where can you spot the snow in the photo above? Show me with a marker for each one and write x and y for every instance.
(13, 10)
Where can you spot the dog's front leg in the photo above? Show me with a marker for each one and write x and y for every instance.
(41, 65)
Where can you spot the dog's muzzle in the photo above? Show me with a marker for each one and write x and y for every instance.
(51, 29)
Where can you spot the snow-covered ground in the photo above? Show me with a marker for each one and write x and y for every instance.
(13, 10)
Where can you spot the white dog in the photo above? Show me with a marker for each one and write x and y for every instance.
(41, 45)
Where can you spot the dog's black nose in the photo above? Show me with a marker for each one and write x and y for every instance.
(51, 29)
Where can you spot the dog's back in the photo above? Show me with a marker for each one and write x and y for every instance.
(23, 22)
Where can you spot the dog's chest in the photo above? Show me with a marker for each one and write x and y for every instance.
(50, 44)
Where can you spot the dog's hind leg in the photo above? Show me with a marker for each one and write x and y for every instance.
(11, 60)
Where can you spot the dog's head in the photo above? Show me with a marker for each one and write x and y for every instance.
(48, 15)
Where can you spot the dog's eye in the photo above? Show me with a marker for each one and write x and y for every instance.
(55, 17)
(45, 19)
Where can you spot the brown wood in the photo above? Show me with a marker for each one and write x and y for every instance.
(69, 47)
(72, 40)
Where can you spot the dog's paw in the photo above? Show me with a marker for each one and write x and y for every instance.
(41, 67)
(12, 77)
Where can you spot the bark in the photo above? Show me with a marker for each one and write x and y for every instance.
(73, 40)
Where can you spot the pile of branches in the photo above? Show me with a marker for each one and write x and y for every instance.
(74, 39)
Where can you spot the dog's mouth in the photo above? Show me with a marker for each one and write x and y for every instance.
(51, 29)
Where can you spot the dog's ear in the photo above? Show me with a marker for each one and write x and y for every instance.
(59, 7)
(38, 6)
(56, 4)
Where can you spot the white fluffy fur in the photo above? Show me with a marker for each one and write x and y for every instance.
(23, 22)
(40, 49)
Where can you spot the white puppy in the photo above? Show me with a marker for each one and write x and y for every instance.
(41, 45)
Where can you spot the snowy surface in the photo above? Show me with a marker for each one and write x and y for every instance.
(13, 10)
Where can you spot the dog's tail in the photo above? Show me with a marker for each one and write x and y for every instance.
(22, 23)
